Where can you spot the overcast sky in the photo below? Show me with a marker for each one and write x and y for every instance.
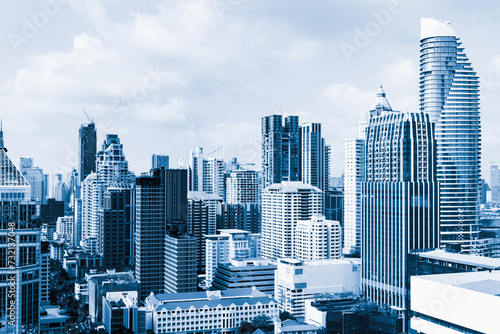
(168, 76)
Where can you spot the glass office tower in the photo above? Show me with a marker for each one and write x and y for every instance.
(449, 93)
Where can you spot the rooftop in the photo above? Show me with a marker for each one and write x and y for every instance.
(466, 259)
(433, 28)
(481, 281)
(292, 186)
(201, 299)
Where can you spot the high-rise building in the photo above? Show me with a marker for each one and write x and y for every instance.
(449, 93)
(242, 207)
(161, 217)
(354, 174)
(159, 161)
(202, 220)
(20, 251)
(354, 169)
(400, 209)
(65, 230)
(283, 205)
(205, 171)
(35, 178)
(314, 159)
(116, 223)
(87, 149)
(317, 239)
(229, 245)
(180, 264)
(111, 171)
(495, 182)
(280, 149)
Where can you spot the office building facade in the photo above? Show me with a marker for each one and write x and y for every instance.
(314, 162)
(400, 209)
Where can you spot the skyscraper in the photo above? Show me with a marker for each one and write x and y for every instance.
(205, 171)
(283, 205)
(35, 178)
(354, 174)
(280, 149)
(111, 170)
(400, 202)
(449, 93)
(161, 217)
(314, 159)
(202, 220)
(87, 149)
(495, 182)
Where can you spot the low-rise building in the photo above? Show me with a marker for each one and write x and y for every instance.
(247, 273)
(229, 244)
(297, 280)
(53, 320)
(456, 303)
(100, 284)
(121, 309)
(209, 311)
(293, 327)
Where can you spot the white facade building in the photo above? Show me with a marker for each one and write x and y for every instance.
(296, 281)
(228, 245)
(205, 171)
(283, 205)
(208, 312)
(65, 230)
(242, 187)
(317, 239)
(456, 303)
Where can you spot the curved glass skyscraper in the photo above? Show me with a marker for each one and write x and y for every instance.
(449, 92)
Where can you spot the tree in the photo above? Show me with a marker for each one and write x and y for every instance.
(264, 323)
(286, 315)
(245, 327)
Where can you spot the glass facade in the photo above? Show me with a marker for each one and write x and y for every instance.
(449, 93)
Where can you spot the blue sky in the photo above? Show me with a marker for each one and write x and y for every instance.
(168, 76)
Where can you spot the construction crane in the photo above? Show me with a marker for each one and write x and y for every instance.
(90, 119)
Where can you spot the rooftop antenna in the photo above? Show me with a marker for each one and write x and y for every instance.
(90, 119)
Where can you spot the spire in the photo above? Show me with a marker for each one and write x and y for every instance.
(2, 147)
(381, 101)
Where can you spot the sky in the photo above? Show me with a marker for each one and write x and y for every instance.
(169, 76)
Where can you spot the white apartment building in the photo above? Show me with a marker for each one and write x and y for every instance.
(283, 205)
(208, 312)
(354, 157)
(65, 230)
(228, 245)
(296, 281)
(242, 187)
(317, 239)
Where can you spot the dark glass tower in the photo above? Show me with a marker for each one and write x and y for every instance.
(87, 149)
(280, 149)
(160, 232)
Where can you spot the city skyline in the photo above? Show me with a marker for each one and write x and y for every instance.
(313, 69)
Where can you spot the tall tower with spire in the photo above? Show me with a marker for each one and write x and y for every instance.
(449, 93)
(354, 169)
